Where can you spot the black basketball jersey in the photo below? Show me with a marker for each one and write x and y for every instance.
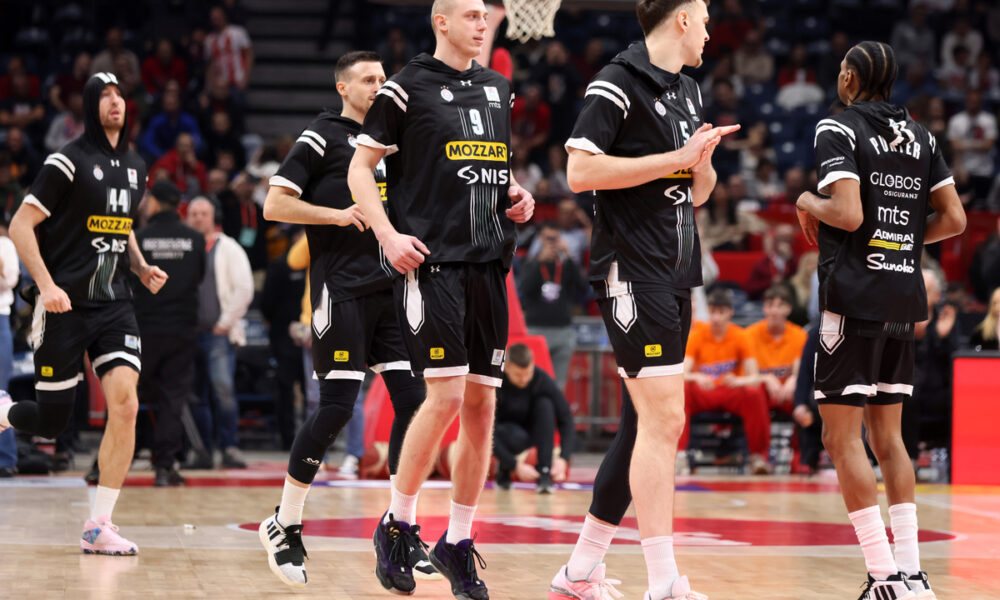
(644, 235)
(344, 262)
(90, 197)
(447, 134)
(873, 274)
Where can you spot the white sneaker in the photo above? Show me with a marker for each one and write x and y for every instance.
(349, 468)
(893, 587)
(680, 589)
(285, 553)
(4, 401)
(595, 587)
(919, 585)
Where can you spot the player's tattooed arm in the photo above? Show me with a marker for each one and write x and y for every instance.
(152, 277)
(842, 209)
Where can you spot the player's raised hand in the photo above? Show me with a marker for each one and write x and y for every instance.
(404, 252)
(154, 278)
(522, 204)
(349, 216)
(694, 148)
(55, 300)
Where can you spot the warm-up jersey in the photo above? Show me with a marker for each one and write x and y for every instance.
(89, 198)
(644, 235)
(344, 262)
(873, 274)
(447, 136)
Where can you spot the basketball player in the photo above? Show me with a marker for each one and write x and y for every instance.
(81, 208)
(443, 123)
(641, 142)
(354, 323)
(882, 172)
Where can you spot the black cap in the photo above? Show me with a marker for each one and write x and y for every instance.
(166, 192)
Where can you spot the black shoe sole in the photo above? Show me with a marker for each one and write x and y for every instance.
(459, 594)
(383, 578)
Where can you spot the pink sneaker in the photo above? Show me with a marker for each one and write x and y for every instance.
(594, 587)
(4, 400)
(680, 589)
(101, 537)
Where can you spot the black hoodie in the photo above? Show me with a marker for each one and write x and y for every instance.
(872, 275)
(90, 192)
(644, 235)
(448, 138)
(344, 262)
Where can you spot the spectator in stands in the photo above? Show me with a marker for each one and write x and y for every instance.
(752, 63)
(550, 284)
(10, 276)
(106, 61)
(829, 63)
(11, 192)
(720, 230)
(243, 219)
(794, 184)
(574, 227)
(973, 135)
(163, 66)
(218, 97)
(936, 122)
(935, 341)
(182, 167)
(723, 70)
(526, 172)
(66, 126)
(725, 110)
(220, 137)
(913, 40)
(529, 408)
(984, 78)
(396, 50)
(953, 77)
(281, 305)
(165, 127)
(779, 263)
(764, 185)
(720, 374)
(797, 81)
(67, 83)
(777, 344)
(223, 298)
(961, 34)
(23, 158)
(561, 84)
(806, 304)
(918, 82)
(591, 60)
(531, 122)
(558, 184)
(16, 67)
(730, 30)
(228, 49)
(806, 411)
(21, 109)
(987, 333)
(984, 271)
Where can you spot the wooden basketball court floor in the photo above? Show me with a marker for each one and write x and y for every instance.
(782, 537)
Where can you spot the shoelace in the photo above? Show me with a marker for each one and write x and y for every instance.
(399, 549)
(606, 588)
(865, 588)
(471, 558)
(695, 596)
(292, 540)
(412, 539)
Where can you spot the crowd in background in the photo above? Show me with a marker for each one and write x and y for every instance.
(772, 71)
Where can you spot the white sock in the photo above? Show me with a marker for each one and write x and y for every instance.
(591, 546)
(903, 518)
(293, 500)
(460, 523)
(660, 564)
(402, 507)
(870, 529)
(104, 503)
(4, 410)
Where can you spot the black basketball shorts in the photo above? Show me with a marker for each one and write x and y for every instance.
(648, 331)
(109, 334)
(454, 320)
(352, 335)
(856, 369)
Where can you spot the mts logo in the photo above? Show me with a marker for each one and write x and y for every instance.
(893, 215)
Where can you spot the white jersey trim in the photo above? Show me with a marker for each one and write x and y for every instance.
(613, 88)
(396, 365)
(315, 136)
(942, 183)
(57, 386)
(832, 176)
(32, 200)
(582, 143)
(283, 182)
(357, 375)
(63, 164)
(366, 140)
(482, 379)
(312, 144)
(398, 89)
(895, 388)
(104, 358)
(657, 371)
(389, 93)
(446, 371)
(610, 96)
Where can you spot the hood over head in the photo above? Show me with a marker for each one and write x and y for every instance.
(93, 130)
(880, 116)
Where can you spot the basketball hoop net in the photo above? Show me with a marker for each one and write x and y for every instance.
(530, 19)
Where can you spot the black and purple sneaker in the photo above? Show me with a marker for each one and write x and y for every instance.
(457, 562)
(391, 553)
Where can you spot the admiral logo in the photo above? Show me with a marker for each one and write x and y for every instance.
(891, 241)
(47, 371)
(654, 350)
(341, 356)
(469, 150)
(877, 262)
(485, 175)
(437, 353)
(101, 224)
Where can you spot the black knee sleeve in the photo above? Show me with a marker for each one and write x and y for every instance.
(47, 417)
(336, 405)
(612, 494)
(407, 394)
